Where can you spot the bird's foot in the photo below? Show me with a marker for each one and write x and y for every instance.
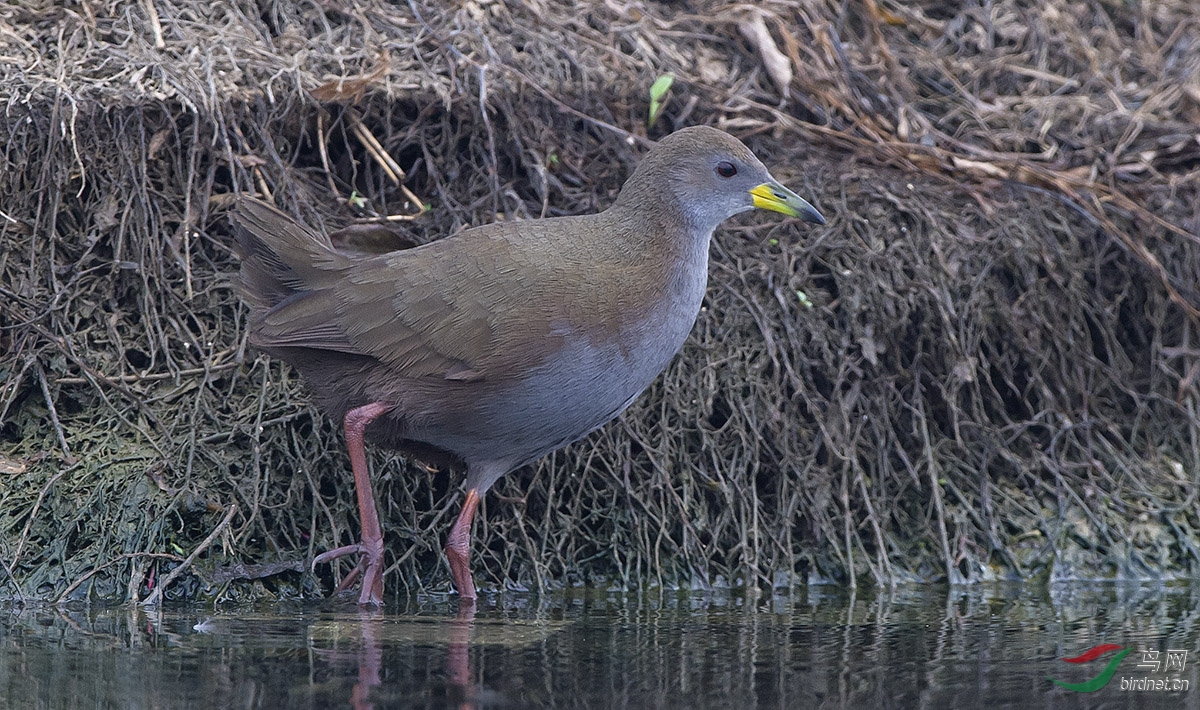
(369, 567)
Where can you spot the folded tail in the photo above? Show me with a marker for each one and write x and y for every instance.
(280, 257)
(288, 279)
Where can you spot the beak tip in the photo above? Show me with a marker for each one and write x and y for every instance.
(812, 216)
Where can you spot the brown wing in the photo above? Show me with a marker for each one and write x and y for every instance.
(446, 309)
(470, 307)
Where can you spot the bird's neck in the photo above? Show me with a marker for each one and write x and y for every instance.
(666, 240)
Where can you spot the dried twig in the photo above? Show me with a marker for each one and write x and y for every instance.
(166, 581)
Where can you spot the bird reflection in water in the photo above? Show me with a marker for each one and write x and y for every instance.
(390, 655)
(458, 658)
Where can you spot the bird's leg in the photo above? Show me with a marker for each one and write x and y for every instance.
(458, 548)
(370, 565)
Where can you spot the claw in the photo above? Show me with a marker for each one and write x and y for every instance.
(370, 567)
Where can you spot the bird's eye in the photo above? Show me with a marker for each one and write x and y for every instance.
(726, 169)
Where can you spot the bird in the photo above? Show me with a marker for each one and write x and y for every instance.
(490, 348)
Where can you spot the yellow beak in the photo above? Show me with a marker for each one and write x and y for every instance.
(777, 198)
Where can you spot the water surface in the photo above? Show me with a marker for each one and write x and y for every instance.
(911, 648)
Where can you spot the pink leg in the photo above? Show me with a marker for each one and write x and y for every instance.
(458, 548)
(370, 566)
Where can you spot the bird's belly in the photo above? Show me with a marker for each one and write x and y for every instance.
(585, 383)
(577, 390)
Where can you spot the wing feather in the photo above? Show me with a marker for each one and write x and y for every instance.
(440, 310)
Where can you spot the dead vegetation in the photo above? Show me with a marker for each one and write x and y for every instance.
(984, 368)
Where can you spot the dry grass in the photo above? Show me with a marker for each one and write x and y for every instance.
(992, 371)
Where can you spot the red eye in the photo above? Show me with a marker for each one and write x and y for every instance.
(726, 169)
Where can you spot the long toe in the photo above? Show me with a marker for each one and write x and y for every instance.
(369, 569)
(331, 555)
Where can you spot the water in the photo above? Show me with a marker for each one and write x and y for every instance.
(911, 648)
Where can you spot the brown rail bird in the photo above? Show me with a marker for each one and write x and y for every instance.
(490, 348)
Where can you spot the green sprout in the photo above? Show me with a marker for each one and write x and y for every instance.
(804, 301)
(658, 93)
(357, 200)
